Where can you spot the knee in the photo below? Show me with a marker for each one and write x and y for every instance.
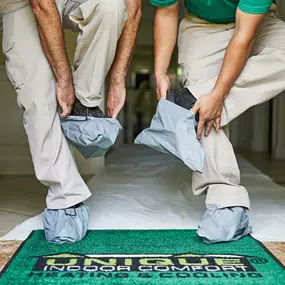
(38, 100)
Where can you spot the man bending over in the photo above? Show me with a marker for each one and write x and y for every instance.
(38, 68)
(233, 57)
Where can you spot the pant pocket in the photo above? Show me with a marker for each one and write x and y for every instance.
(194, 73)
(13, 63)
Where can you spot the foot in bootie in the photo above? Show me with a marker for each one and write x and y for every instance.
(223, 224)
(66, 225)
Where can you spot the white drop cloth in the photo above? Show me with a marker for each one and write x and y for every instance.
(144, 189)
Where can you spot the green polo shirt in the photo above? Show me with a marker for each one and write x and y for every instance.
(219, 11)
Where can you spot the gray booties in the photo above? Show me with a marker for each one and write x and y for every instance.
(66, 225)
(223, 225)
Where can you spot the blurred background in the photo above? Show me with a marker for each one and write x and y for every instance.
(259, 134)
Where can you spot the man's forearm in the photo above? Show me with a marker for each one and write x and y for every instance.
(235, 59)
(126, 43)
(165, 35)
(51, 36)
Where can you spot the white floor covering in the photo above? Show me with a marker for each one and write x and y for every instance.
(144, 189)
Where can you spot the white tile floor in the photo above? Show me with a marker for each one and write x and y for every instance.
(8, 220)
(21, 197)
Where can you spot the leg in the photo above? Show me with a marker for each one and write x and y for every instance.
(220, 178)
(34, 83)
(100, 23)
(255, 85)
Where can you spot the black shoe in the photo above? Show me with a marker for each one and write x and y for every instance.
(183, 98)
(80, 110)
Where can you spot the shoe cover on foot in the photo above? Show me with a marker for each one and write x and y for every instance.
(172, 131)
(223, 225)
(91, 136)
(66, 225)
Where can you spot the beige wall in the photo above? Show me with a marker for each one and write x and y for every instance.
(278, 130)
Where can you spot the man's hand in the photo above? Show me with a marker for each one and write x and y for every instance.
(116, 99)
(162, 86)
(209, 107)
(65, 97)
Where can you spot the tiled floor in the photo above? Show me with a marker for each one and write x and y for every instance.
(21, 197)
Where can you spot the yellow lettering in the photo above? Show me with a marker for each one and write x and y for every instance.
(183, 261)
(228, 261)
(92, 261)
(128, 262)
(53, 262)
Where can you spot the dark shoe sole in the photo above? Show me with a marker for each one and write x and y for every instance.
(81, 110)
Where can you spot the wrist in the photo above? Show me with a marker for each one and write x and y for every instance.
(65, 81)
(64, 76)
(220, 92)
(159, 75)
(160, 69)
(117, 77)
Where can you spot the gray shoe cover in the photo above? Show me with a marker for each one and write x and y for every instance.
(223, 225)
(91, 136)
(172, 131)
(66, 225)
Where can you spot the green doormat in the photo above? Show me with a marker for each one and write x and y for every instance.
(142, 257)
